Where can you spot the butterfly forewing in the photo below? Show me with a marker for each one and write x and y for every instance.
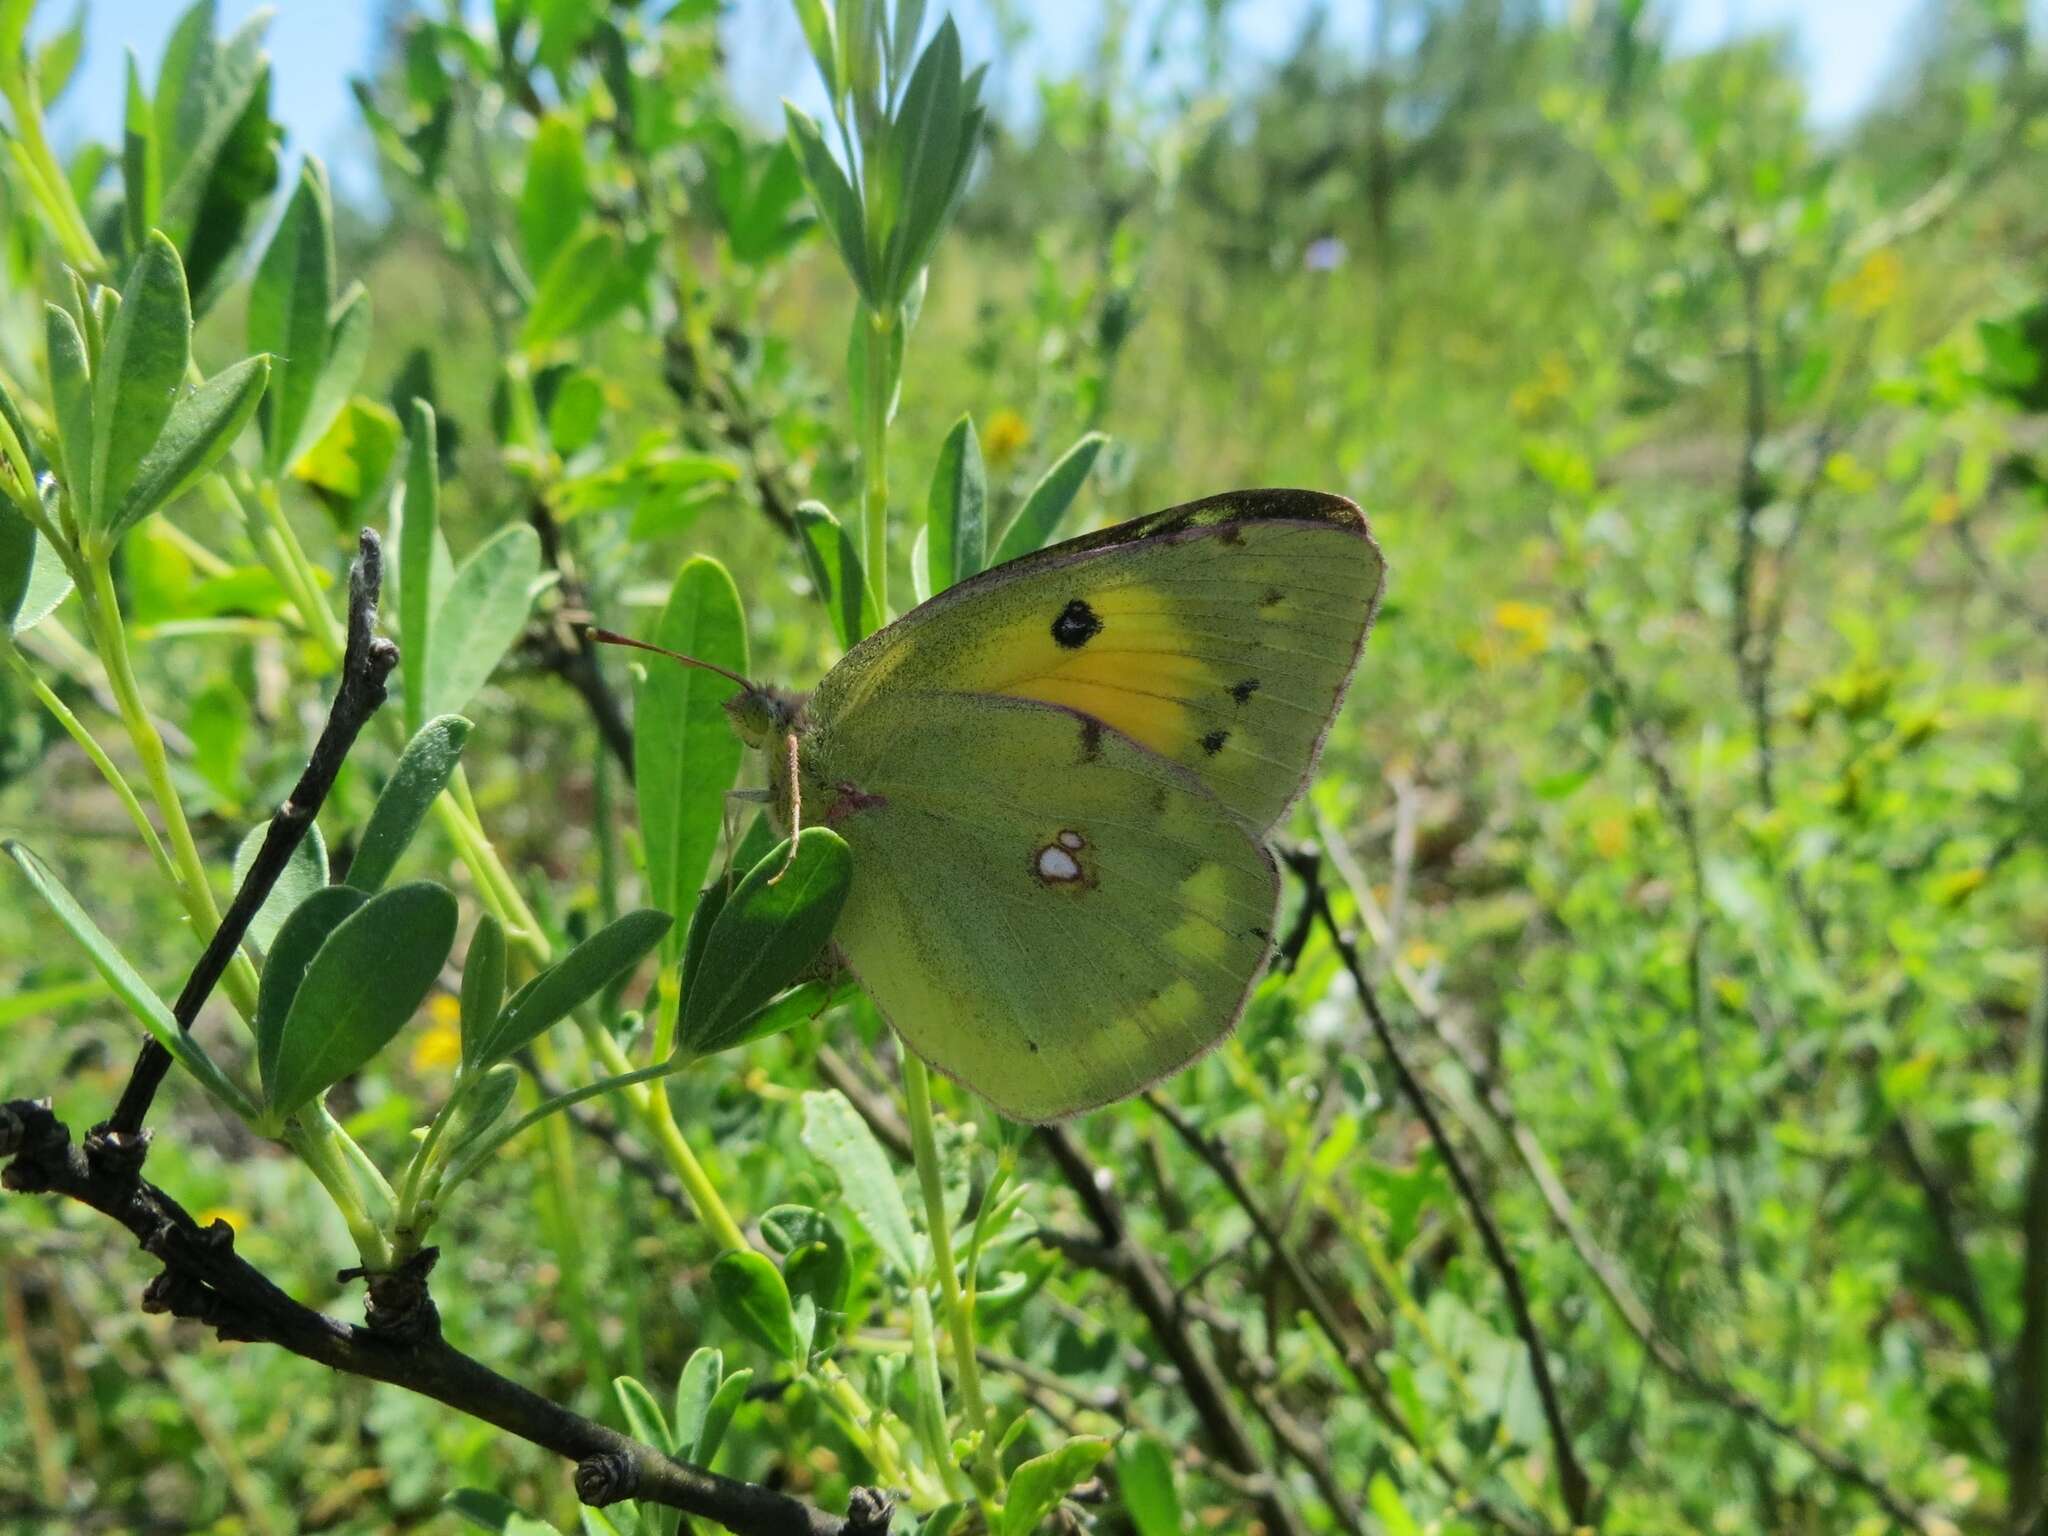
(1220, 635)
(1042, 908)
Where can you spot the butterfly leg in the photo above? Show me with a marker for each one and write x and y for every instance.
(796, 812)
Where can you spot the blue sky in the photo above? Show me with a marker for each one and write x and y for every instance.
(1845, 46)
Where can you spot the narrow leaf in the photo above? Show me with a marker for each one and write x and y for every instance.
(483, 986)
(556, 193)
(838, 206)
(360, 989)
(644, 1419)
(754, 1300)
(142, 178)
(718, 1417)
(142, 369)
(573, 980)
(1037, 1486)
(1049, 500)
(422, 561)
(1144, 1475)
(71, 398)
(484, 611)
(133, 991)
(685, 753)
(836, 572)
(423, 770)
(695, 1389)
(956, 514)
(835, 1134)
(290, 300)
(202, 427)
(773, 927)
(304, 873)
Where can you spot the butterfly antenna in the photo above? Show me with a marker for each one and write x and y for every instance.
(612, 637)
(796, 813)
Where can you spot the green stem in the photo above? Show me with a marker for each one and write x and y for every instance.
(75, 729)
(874, 452)
(313, 1137)
(46, 175)
(103, 613)
(959, 1317)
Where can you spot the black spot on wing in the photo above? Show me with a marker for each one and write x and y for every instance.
(1262, 933)
(1076, 625)
(1230, 533)
(1243, 691)
(1213, 742)
(1091, 738)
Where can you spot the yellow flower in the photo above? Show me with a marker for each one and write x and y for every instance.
(234, 1216)
(441, 1045)
(1006, 437)
(1610, 836)
(1871, 287)
(1528, 623)
(1948, 506)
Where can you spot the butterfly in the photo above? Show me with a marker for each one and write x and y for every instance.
(1056, 780)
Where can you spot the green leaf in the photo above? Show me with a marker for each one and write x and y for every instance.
(1387, 1508)
(14, 15)
(423, 571)
(834, 564)
(218, 723)
(203, 425)
(798, 1004)
(644, 1421)
(365, 982)
(814, 1263)
(696, 1389)
(1049, 500)
(754, 1300)
(592, 276)
(423, 770)
(816, 19)
(556, 193)
(350, 467)
(304, 873)
(573, 980)
(1037, 1486)
(348, 348)
(775, 924)
(944, 1520)
(685, 753)
(718, 1417)
(835, 1134)
(142, 369)
(838, 205)
(475, 624)
(298, 939)
(924, 150)
(142, 176)
(133, 991)
(956, 515)
(291, 299)
(1144, 1474)
(218, 144)
(483, 986)
(484, 1510)
(71, 399)
(481, 1107)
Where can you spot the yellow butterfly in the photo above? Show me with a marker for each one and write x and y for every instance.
(1056, 779)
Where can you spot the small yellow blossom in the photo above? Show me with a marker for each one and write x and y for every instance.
(234, 1216)
(441, 1045)
(1873, 286)
(1528, 623)
(1007, 435)
(1552, 382)
(1948, 506)
(1421, 954)
(1610, 836)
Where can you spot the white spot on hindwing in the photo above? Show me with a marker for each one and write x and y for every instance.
(1057, 864)
(1073, 841)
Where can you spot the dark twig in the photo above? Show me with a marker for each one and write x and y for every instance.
(2029, 1406)
(563, 648)
(1636, 1315)
(1118, 1256)
(205, 1280)
(366, 663)
(1572, 1479)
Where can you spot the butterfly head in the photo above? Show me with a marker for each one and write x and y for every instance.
(762, 716)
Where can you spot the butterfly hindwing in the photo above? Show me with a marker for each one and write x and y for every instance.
(1041, 907)
(1220, 635)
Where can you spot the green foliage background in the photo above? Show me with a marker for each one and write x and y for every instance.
(1690, 798)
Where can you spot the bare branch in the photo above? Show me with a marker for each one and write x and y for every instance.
(205, 1280)
(366, 664)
